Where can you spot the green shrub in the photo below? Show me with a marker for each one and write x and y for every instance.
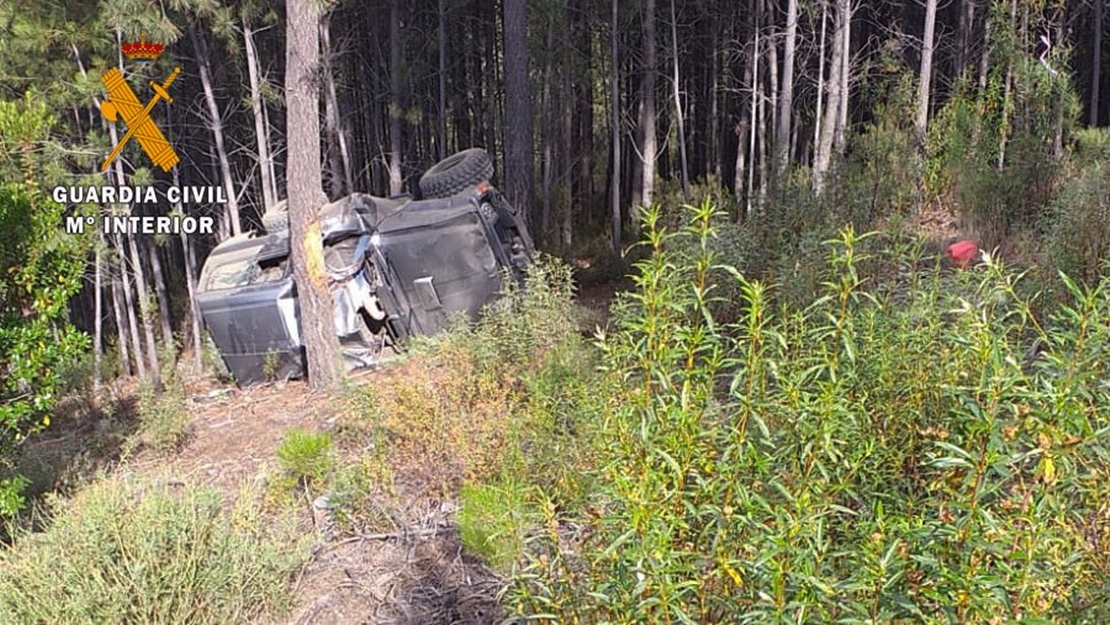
(163, 418)
(143, 552)
(885, 453)
(307, 457)
(1079, 219)
(493, 520)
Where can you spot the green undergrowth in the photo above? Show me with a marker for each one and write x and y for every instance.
(126, 550)
(491, 412)
(911, 444)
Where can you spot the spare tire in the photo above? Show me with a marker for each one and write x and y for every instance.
(276, 218)
(456, 173)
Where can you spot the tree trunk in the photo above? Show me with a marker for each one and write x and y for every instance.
(684, 171)
(261, 128)
(839, 140)
(714, 153)
(753, 117)
(518, 108)
(216, 125)
(98, 314)
(337, 136)
(548, 126)
(963, 35)
(129, 308)
(302, 107)
(984, 59)
(441, 129)
(786, 100)
(164, 315)
(122, 326)
(820, 77)
(823, 154)
(395, 105)
(615, 120)
(1096, 61)
(140, 288)
(643, 196)
(191, 285)
(921, 119)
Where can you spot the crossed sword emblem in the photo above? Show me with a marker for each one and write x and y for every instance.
(122, 101)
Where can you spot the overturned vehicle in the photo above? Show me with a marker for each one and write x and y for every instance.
(396, 267)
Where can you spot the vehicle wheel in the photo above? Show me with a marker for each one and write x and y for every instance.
(276, 218)
(456, 172)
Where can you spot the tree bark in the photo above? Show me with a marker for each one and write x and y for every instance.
(122, 325)
(921, 119)
(98, 315)
(1096, 61)
(820, 76)
(317, 309)
(261, 128)
(643, 195)
(823, 154)
(164, 315)
(337, 135)
(963, 36)
(518, 108)
(441, 128)
(615, 121)
(395, 105)
(679, 117)
(786, 99)
(217, 128)
(191, 284)
(839, 140)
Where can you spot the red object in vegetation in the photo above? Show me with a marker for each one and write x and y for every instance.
(963, 252)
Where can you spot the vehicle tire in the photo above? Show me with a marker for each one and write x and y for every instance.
(276, 218)
(456, 172)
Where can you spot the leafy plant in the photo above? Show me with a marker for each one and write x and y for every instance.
(126, 551)
(307, 456)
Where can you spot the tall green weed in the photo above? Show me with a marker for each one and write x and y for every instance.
(886, 452)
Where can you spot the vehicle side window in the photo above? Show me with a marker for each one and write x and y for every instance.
(231, 275)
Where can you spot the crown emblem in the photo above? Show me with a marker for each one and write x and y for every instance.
(142, 50)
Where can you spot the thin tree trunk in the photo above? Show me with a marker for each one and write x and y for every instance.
(645, 165)
(921, 119)
(129, 303)
(984, 60)
(615, 120)
(1096, 61)
(441, 129)
(823, 155)
(217, 128)
(820, 77)
(786, 102)
(839, 141)
(164, 313)
(335, 127)
(684, 172)
(714, 104)
(190, 285)
(261, 128)
(98, 314)
(963, 35)
(1006, 99)
(518, 137)
(122, 325)
(753, 82)
(302, 106)
(395, 105)
(548, 125)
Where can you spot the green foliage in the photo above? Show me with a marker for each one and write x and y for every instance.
(492, 520)
(888, 452)
(163, 417)
(307, 456)
(1079, 218)
(143, 552)
(40, 269)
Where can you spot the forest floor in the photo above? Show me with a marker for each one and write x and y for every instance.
(414, 572)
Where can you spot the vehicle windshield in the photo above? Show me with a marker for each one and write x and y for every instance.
(238, 274)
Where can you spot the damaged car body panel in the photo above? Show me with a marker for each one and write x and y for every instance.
(396, 267)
